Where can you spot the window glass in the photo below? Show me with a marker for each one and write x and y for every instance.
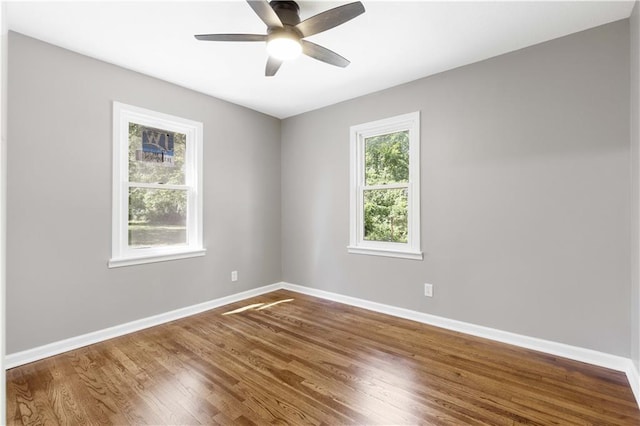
(387, 158)
(385, 215)
(157, 217)
(161, 160)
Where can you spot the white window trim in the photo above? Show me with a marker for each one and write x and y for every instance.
(121, 254)
(357, 243)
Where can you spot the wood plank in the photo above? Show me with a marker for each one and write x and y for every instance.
(295, 359)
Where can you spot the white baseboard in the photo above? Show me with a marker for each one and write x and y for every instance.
(634, 380)
(613, 362)
(589, 356)
(55, 348)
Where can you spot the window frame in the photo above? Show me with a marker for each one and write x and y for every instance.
(121, 253)
(358, 134)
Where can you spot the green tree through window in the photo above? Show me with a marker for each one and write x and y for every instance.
(387, 159)
(385, 193)
(157, 217)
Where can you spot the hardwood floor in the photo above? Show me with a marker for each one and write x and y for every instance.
(311, 361)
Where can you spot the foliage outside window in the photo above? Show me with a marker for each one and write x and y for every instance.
(385, 187)
(157, 180)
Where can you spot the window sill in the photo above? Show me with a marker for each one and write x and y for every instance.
(140, 260)
(403, 254)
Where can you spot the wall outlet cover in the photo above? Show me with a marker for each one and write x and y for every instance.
(428, 290)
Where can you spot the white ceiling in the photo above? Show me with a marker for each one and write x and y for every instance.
(393, 42)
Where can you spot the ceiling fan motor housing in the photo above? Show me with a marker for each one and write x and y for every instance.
(288, 11)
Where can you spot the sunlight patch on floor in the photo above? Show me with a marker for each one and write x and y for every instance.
(257, 306)
(274, 304)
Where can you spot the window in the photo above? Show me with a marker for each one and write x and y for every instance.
(157, 187)
(385, 187)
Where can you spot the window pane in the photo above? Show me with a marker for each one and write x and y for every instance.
(387, 158)
(156, 156)
(157, 217)
(385, 215)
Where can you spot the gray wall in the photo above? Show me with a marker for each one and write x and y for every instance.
(635, 183)
(525, 194)
(59, 198)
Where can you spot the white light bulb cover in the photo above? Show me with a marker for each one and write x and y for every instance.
(284, 47)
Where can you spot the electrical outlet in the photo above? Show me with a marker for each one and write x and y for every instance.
(234, 276)
(428, 290)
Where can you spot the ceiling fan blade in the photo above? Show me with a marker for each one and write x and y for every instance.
(231, 37)
(273, 65)
(263, 9)
(323, 54)
(330, 18)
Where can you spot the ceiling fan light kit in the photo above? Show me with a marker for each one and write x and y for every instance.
(285, 33)
(284, 45)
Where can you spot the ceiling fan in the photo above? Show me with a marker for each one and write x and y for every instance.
(285, 33)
